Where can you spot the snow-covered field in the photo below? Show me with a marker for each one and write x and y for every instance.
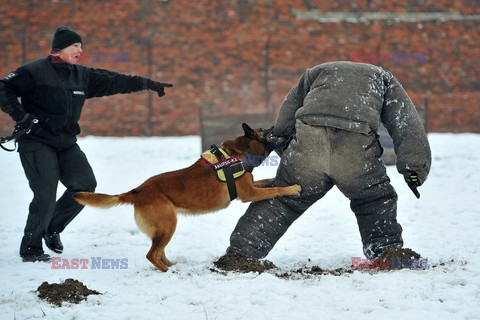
(443, 226)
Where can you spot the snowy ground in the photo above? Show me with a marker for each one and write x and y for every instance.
(443, 226)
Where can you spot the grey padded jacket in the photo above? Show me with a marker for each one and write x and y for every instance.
(357, 97)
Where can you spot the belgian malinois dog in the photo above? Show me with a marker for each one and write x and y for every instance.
(192, 190)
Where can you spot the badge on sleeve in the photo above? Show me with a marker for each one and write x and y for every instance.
(10, 76)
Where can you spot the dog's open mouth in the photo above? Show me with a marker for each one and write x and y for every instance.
(270, 140)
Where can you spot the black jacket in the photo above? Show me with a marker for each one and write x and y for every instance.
(54, 92)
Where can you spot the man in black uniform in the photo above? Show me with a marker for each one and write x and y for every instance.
(53, 91)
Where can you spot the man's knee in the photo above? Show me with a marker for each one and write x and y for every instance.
(90, 185)
(262, 225)
(44, 191)
(83, 184)
(378, 198)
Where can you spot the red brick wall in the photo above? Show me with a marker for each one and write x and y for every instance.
(233, 57)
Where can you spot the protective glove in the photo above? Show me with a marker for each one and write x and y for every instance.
(26, 123)
(279, 144)
(411, 178)
(158, 87)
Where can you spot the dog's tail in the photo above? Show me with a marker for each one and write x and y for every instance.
(101, 200)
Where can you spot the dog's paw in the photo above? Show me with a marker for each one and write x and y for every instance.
(296, 188)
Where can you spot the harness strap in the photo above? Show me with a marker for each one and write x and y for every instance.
(229, 171)
(247, 167)
(216, 152)
(232, 189)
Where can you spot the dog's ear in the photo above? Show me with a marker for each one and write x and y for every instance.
(249, 133)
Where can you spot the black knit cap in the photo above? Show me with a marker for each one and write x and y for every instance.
(64, 37)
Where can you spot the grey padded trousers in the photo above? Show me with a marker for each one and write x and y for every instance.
(317, 159)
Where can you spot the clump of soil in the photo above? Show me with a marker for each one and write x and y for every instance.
(395, 253)
(240, 263)
(305, 272)
(316, 270)
(70, 291)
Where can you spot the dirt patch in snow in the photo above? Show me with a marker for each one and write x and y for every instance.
(313, 271)
(239, 263)
(402, 253)
(71, 290)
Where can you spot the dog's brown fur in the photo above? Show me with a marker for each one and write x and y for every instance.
(192, 190)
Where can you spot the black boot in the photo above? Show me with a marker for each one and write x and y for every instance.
(53, 242)
(34, 257)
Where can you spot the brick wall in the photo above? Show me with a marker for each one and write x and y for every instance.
(234, 57)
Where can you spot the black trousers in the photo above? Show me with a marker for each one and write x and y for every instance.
(44, 168)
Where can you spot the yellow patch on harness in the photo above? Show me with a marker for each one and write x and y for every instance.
(226, 162)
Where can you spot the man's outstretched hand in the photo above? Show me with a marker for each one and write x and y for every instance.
(158, 87)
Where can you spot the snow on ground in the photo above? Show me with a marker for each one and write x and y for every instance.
(443, 226)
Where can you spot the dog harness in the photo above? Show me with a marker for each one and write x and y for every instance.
(227, 168)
